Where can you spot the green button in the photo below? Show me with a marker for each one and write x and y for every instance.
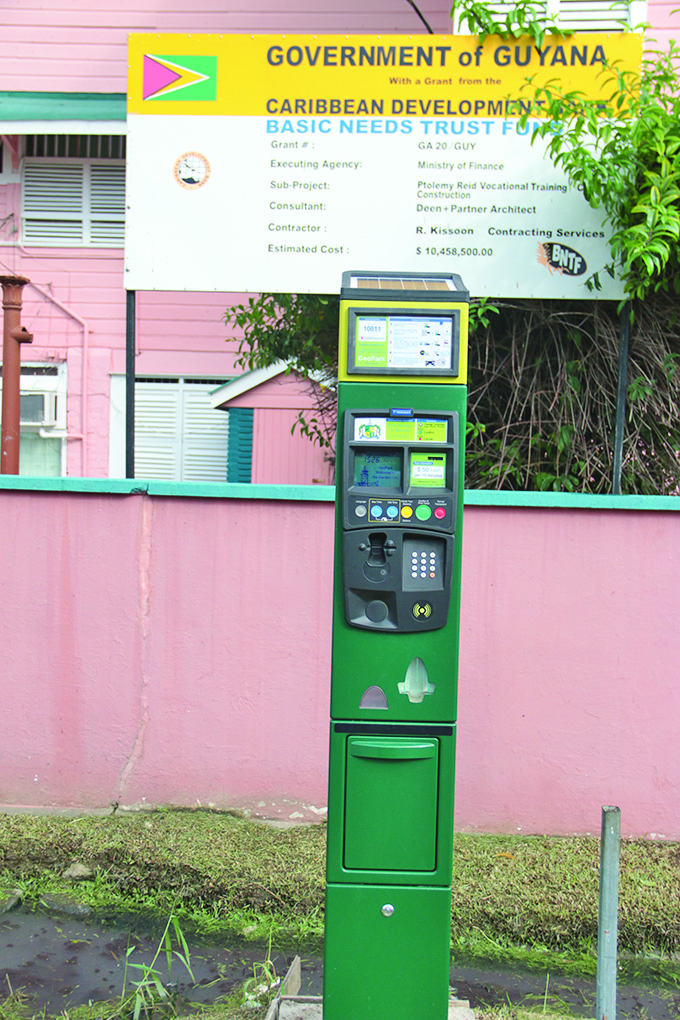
(423, 513)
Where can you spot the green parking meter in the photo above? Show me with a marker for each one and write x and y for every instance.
(399, 503)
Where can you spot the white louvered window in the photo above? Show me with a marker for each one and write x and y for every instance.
(580, 15)
(68, 202)
(179, 436)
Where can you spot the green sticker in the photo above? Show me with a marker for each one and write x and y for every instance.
(428, 470)
(401, 431)
(371, 342)
(430, 430)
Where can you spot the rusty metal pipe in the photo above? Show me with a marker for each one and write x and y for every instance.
(12, 338)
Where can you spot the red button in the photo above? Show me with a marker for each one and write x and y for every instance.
(439, 512)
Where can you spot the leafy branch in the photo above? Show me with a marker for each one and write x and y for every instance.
(623, 153)
(302, 331)
(524, 18)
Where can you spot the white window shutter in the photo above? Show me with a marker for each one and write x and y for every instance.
(73, 202)
(593, 15)
(158, 424)
(205, 437)
(178, 435)
(107, 205)
(52, 200)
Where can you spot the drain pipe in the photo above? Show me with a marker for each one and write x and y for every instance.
(85, 326)
(13, 336)
(84, 405)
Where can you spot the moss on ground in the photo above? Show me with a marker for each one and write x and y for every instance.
(222, 871)
(544, 891)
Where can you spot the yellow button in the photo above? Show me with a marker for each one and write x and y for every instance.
(407, 511)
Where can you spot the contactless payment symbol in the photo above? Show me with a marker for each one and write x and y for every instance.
(189, 79)
(422, 610)
(191, 170)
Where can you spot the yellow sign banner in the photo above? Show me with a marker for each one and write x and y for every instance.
(386, 76)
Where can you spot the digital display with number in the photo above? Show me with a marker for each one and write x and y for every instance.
(378, 470)
(419, 343)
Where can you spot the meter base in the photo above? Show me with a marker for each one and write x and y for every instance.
(307, 1009)
(386, 952)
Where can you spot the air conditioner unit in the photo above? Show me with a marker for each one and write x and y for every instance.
(38, 410)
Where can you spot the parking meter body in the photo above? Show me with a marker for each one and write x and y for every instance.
(396, 608)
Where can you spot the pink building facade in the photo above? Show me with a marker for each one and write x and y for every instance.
(63, 70)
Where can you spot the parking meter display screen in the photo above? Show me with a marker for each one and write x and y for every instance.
(403, 343)
(378, 469)
(428, 470)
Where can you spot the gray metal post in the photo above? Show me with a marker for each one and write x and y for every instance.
(607, 926)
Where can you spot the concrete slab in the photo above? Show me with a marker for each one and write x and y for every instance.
(291, 1010)
(291, 1006)
(308, 1009)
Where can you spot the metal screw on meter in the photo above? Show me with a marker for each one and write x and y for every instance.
(388, 910)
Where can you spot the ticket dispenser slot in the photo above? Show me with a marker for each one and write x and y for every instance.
(391, 803)
(399, 508)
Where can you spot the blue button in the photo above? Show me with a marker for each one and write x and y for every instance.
(393, 511)
(376, 511)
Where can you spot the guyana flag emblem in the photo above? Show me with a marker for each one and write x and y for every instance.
(177, 78)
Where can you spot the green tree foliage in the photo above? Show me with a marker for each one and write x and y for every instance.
(524, 18)
(624, 154)
(543, 374)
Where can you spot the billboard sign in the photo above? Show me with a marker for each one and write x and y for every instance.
(276, 162)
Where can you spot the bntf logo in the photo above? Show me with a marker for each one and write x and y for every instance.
(558, 258)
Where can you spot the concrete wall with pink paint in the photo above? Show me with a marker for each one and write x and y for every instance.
(171, 649)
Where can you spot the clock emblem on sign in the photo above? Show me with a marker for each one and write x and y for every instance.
(192, 170)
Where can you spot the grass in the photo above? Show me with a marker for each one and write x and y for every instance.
(530, 902)
(544, 891)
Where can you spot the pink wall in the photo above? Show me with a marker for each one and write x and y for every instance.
(162, 650)
(81, 45)
(75, 307)
(277, 460)
(664, 17)
(569, 697)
